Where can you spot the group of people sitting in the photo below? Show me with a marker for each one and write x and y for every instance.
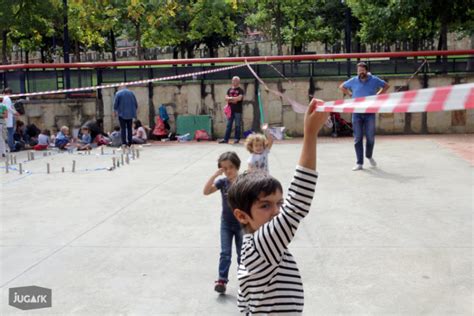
(90, 135)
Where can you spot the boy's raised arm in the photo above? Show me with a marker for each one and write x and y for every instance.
(272, 239)
(313, 122)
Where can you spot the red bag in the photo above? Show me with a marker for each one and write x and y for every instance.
(201, 134)
(227, 111)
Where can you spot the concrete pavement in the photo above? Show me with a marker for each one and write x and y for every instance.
(143, 240)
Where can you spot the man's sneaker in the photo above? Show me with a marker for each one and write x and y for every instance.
(236, 141)
(223, 141)
(220, 286)
(357, 167)
(373, 163)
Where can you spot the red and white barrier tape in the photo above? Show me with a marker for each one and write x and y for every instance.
(130, 83)
(448, 98)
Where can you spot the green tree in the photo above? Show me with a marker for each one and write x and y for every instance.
(268, 16)
(411, 20)
(216, 22)
(7, 14)
(297, 22)
(27, 23)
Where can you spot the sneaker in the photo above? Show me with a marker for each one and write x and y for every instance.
(357, 167)
(223, 141)
(236, 141)
(220, 286)
(373, 163)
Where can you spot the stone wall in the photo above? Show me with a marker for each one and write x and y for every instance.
(192, 98)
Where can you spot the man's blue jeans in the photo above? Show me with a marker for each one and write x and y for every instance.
(228, 232)
(126, 131)
(363, 123)
(238, 119)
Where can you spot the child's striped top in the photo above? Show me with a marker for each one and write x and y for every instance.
(269, 280)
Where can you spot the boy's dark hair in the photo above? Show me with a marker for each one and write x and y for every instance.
(363, 65)
(7, 90)
(46, 132)
(116, 128)
(246, 189)
(138, 124)
(231, 156)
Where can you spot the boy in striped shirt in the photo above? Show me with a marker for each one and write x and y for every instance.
(269, 280)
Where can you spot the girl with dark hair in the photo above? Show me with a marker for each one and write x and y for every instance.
(139, 133)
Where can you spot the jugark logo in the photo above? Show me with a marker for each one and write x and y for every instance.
(30, 297)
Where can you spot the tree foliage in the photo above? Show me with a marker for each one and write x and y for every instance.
(37, 25)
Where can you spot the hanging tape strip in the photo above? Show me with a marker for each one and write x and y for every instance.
(446, 98)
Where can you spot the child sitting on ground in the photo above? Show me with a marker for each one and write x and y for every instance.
(269, 280)
(228, 164)
(43, 140)
(259, 146)
(139, 133)
(62, 139)
(86, 139)
(115, 137)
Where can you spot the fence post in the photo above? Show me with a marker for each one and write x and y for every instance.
(99, 105)
(151, 106)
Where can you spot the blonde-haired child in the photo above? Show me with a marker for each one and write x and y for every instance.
(259, 146)
(62, 138)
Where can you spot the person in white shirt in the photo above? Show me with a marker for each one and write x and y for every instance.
(43, 140)
(259, 146)
(269, 279)
(139, 133)
(10, 118)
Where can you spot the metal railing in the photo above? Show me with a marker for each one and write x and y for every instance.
(23, 78)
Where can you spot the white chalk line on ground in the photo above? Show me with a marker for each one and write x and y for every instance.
(118, 211)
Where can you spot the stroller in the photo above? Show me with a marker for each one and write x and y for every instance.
(340, 126)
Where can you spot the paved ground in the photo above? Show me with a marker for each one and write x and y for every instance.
(143, 240)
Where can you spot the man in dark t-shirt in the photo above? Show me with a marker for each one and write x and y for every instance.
(234, 97)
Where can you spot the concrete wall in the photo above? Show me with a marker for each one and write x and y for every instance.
(197, 97)
(54, 113)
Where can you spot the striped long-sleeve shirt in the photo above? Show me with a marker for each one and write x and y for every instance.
(269, 280)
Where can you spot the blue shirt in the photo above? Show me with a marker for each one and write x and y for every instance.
(125, 104)
(365, 88)
(223, 185)
(86, 138)
(61, 136)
